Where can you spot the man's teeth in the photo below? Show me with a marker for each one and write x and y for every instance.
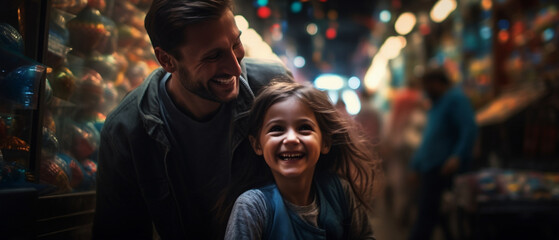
(224, 80)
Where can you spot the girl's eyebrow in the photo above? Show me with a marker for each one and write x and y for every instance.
(298, 121)
(273, 121)
(307, 120)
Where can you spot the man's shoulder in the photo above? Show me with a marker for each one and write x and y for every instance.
(128, 109)
(125, 108)
(264, 62)
(260, 72)
(126, 114)
(264, 70)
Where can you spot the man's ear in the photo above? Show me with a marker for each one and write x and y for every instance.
(167, 61)
(255, 145)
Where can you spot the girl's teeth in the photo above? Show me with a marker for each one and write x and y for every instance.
(290, 156)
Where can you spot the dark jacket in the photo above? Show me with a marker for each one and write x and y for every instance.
(137, 187)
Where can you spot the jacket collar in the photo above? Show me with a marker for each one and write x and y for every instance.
(149, 106)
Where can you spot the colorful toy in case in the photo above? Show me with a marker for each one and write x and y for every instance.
(85, 140)
(14, 151)
(50, 143)
(55, 171)
(123, 11)
(75, 168)
(106, 65)
(136, 73)
(110, 96)
(48, 121)
(128, 36)
(20, 86)
(97, 4)
(108, 45)
(88, 97)
(63, 83)
(58, 38)
(10, 38)
(13, 148)
(88, 30)
(71, 6)
(89, 173)
(11, 173)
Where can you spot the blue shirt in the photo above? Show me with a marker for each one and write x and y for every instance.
(450, 132)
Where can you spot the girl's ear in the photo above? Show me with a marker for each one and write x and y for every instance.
(255, 145)
(325, 147)
(167, 61)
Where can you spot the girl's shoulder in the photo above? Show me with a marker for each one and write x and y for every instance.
(251, 197)
(344, 183)
(337, 183)
(251, 204)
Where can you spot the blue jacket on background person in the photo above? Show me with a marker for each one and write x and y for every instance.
(450, 131)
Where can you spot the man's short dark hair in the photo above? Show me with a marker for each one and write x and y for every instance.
(436, 75)
(166, 20)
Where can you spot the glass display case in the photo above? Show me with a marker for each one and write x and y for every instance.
(22, 83)
(20, 78)
(65, 64)
(98, 51)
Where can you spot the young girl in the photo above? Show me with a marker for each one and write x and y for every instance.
(321, 171)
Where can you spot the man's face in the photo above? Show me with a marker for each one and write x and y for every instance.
(210, 59)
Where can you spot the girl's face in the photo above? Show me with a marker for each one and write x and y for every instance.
(290, 139)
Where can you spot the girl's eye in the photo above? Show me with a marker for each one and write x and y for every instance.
(275, 129)
(305, 127)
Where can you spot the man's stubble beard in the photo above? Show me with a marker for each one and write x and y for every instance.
(196, 87)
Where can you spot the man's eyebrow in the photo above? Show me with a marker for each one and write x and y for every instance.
(217, 49)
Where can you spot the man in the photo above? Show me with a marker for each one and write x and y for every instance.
(173, 144)
(445, 149)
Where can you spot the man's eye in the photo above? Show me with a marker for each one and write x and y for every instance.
(237, 45)
(213, 56)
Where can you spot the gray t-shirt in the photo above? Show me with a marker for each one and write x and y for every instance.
(249, 215)
(309, 213)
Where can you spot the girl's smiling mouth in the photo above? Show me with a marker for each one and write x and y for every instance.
(290, 156)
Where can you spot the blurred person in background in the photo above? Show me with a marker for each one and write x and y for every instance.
(405, 124)
(446, 148)
(175, 142)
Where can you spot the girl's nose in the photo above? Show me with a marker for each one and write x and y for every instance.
(291, 137)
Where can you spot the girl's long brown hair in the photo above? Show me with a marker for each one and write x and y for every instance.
(350, 155)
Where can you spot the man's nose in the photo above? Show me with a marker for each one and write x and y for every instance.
(232, 64)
